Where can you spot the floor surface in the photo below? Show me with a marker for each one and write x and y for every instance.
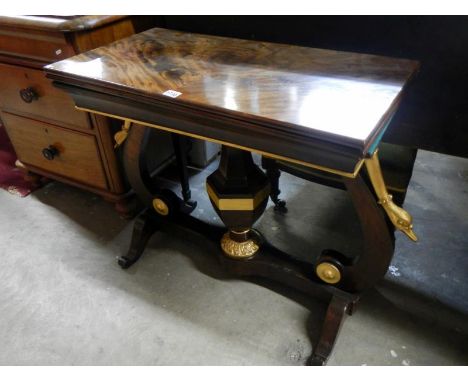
(65, 301)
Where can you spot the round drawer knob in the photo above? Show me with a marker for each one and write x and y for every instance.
(28, 95)
(50, 152)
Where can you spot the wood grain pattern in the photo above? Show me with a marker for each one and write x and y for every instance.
(39, 46)
(52, 104)
(106, 143)
(78, 157)
(59, 23)
(337, 96)
(27, 43)
(90, 39)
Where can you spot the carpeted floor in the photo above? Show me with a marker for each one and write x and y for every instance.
(11, 178)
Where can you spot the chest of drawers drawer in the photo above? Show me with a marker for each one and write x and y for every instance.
(26, 91)
(71, 154)
(37, 45)
(37, 115)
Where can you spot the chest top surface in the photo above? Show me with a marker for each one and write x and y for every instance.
(328, 94)
(57, 23)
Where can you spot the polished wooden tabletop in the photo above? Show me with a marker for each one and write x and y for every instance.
(321, 91)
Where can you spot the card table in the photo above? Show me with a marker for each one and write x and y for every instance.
(323, 109)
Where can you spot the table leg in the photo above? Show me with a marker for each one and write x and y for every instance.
(143, 229)
(239, 192)
(334, 318)
(160, 202)
(363, 272)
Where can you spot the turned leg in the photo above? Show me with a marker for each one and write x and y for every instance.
(127, 207)
(143, 229)
(273, 174)
(238, 191)
(29, 176)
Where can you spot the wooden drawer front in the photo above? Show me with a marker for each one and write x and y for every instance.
(36, 45)
(78, 156)
(52, 105)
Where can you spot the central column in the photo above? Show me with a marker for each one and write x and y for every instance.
(238, 191)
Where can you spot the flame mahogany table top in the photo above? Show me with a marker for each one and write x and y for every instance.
(323, 107)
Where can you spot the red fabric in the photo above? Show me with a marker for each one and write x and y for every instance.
(11, 178)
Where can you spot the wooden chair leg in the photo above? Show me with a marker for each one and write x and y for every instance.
(180, 149)
(273, 174)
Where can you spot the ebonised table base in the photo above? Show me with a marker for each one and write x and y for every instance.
(269, 263)
(239, 192)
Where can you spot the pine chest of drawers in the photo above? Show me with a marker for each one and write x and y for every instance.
(51, 138)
